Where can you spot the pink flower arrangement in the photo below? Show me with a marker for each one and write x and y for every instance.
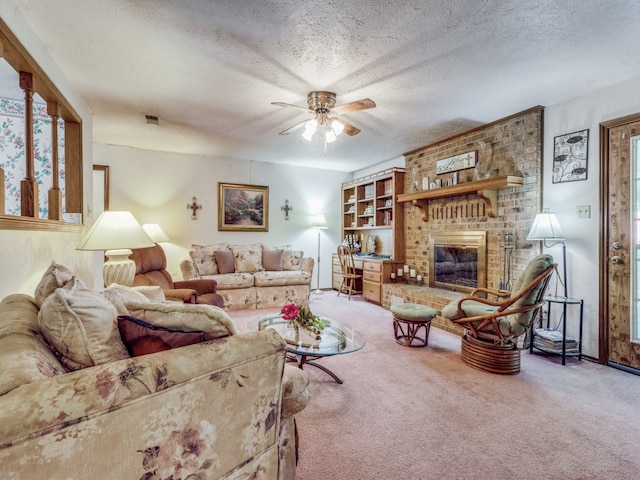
(290, 311)
(301, 316)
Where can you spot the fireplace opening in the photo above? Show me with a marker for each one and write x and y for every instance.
(457, 260)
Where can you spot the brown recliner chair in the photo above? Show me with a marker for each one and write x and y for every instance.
(151, 269)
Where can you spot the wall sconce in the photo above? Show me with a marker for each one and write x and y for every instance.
(286, 209)
(194, 207)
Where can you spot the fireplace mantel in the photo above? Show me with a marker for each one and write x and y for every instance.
(486, 189)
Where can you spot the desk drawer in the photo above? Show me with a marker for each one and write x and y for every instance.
(372, 277)
(372, 266)
(371, 291)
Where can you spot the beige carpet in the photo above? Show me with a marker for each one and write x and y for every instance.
(420, 413)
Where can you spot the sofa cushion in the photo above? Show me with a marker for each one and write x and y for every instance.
(272, 260)
(24, 355)
(185, 317)
(204, 261)
(292, 259)
(225, 260)
(232, 281)
(283, 277)
(81, 325)
(142, 338)
(248, 259)
(54, 277)
(119, 294)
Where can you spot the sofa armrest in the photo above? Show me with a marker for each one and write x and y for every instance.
(187, 295)
(45, 406)
(306, 264)
(201, 286)
(295, 391)
(188, 269)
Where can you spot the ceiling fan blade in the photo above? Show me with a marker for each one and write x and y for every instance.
(298, 107)
(363, 104)
(293, 128)
(350, 129)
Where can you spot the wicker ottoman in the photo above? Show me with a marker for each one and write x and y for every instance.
(408, 319)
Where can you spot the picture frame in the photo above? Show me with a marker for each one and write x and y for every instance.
(570, 156)
(457, 162)
(243, 207)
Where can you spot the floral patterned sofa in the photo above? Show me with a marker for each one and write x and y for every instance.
(252, 276)
(74, 404)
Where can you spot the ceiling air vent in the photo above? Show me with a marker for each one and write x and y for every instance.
(152, 120)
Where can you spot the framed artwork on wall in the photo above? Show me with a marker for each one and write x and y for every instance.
(243, 208)
(570, 155)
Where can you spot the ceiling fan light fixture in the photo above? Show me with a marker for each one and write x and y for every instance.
(337, 126)
(330, 137)
(309, 129)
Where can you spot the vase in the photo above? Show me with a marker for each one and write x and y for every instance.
(294, 331)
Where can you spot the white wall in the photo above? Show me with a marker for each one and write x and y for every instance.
(583, 234)
(157, 187)
(25, 255)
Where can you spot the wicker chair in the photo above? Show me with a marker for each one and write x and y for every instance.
(350, 276)
(494, 320)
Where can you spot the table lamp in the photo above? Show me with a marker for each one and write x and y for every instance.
(547, 228)
(116, 233)
(155, 232)
(319, 223)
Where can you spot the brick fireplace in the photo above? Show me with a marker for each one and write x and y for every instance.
(509, 146)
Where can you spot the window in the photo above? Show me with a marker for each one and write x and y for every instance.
(41, 166)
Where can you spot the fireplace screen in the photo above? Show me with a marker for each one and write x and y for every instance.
(457, 260)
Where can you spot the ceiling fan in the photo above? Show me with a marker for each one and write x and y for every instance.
(322, 105)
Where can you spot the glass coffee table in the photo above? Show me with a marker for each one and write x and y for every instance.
(337, 338)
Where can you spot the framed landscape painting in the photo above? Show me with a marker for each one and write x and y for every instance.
(243, 208)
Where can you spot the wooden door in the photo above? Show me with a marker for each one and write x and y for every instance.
(620, 245)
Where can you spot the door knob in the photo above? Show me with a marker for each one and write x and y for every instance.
(616, 245)
(616, 260)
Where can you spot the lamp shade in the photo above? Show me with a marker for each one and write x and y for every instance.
(545, 227)
(155, 232)
(319, 222)
(115, 230)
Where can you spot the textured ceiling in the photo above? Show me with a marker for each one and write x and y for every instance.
(210, 69)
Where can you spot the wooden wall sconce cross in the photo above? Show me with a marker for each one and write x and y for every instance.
(286, 209)
(194, 207)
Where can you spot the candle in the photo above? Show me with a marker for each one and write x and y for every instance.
(406, 269)
(419, 278)
(399, 272)
(413, 273)
(393, 276)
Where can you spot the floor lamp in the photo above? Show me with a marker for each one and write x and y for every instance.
(318, 223)
(547, 228)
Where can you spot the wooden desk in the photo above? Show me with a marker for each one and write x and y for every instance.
(375, 272)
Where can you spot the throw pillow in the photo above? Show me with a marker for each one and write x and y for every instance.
(292, 259)
(204, 261)
(142, 338)
(186, 317)
(248, 259)
(272, 260)
(119, 294)
(81, 325)
(54, 277)
(210, 248)
(225, 260)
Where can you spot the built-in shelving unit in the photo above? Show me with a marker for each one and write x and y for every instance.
(369, 210)
(485, 189)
